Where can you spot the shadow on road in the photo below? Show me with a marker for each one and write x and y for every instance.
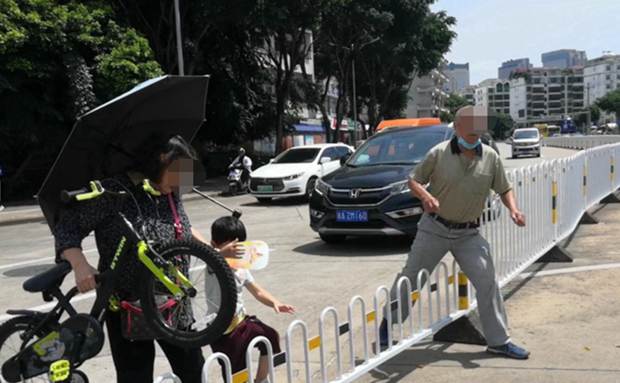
(358, 246)
(292, 201)
(397, 368)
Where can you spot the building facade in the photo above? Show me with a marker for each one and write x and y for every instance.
(458, 77)
(503, 72)
(601, 76)
(563, 59)
(427, 97)
(469, 93)
(546, 95)
(494, 94)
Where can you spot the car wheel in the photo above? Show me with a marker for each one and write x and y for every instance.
(310, 187)
(263, 199)
(332, 238)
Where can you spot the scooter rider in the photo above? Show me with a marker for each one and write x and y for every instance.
(243, 162)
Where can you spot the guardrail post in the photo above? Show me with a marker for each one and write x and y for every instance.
(289, 354)
(334, 313)
(227, 367)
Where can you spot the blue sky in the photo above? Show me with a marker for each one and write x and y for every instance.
(493, 31)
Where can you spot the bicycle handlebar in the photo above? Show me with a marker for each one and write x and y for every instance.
(67, 196)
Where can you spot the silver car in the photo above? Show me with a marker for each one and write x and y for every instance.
(526, 141)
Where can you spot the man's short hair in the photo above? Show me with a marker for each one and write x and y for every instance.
(226, 229)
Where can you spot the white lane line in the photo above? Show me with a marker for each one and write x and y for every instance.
(49, 258)
(51, 305)
(569, 270)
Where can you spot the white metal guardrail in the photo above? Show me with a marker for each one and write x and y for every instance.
(553, 195)
(581, 142)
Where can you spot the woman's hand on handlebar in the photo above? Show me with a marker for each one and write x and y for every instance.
(84, 272)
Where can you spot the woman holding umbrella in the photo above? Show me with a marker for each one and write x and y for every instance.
(166, 162)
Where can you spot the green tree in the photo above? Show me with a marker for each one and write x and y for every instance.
(390, 42)
(500, 126)
(51, 60)
(223, 41)
(454, 102)
(413, 44)
(610, 103)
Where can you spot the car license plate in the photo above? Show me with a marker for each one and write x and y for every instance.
(264, 188)
(351, 216)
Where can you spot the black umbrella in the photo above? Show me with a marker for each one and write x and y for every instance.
(108, 139)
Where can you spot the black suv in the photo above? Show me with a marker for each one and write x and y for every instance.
(369, 194)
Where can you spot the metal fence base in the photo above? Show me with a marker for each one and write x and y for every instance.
(612, 198)
(460, 331)
(588, 219)
(556, 254)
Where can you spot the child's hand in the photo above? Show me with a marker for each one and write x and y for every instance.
(232, 250)
(281, 308)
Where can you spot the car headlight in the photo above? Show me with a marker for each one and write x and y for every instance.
(400, 187)
(294, 176)
(321, 187)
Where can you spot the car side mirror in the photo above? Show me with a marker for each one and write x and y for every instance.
(344, 158)
(324, 160)
(271, 160)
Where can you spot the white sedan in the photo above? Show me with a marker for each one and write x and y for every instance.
(295, 171)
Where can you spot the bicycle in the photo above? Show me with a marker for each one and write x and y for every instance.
(169, 273)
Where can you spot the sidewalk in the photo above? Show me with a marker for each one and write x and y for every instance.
(30, 212)
(566, 314)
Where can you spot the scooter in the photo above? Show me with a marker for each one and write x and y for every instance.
(235, 183)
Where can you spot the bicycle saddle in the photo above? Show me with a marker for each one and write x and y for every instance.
(48, 279)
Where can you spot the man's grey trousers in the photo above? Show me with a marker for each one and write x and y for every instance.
(472, 252)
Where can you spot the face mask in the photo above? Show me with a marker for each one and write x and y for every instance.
(467, 145)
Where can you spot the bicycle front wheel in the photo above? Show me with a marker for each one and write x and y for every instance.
(200, 316)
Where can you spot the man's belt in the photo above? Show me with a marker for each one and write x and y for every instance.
(454, 225)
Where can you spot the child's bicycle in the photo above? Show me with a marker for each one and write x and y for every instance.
(172, 297)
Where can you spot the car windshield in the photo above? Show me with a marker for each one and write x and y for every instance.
(396, 147)
(293, 156)
(519, 134)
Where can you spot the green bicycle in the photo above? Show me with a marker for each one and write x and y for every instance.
(177, 298)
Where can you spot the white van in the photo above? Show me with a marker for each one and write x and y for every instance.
(526, 141)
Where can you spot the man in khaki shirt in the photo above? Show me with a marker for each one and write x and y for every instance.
(460, 174)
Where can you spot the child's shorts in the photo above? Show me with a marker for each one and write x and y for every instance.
(235, 344)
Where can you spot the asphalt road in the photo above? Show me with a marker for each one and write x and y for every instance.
(303, 271)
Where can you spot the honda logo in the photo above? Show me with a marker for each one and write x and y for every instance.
(354, 193)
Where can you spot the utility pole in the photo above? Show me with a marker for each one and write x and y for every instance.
(354, 96)
(177, 20)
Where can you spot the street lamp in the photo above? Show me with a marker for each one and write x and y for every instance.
(177, 21)
(353, 80)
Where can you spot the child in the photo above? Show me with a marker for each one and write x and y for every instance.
(244, 328)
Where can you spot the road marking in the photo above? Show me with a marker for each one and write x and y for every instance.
(50, 258)
(570, 270)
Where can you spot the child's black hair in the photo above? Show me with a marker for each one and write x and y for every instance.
(226, 229)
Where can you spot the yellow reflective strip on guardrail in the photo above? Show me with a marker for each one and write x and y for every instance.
(463, 297)
(314, 343)
(240, 377)
(371, 316)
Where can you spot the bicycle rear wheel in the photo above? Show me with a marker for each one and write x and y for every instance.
(11, 343)
(197, 320)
